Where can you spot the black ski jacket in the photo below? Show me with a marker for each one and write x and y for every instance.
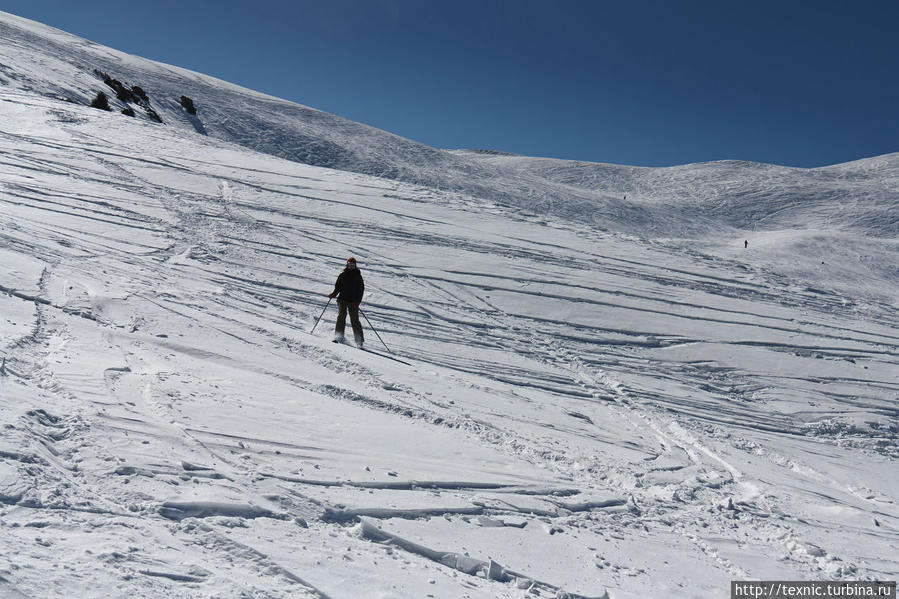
(349, 286)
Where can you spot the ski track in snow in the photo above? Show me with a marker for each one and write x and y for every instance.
(563, 410)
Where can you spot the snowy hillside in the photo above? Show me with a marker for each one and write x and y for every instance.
(564, 409)
(716, 197)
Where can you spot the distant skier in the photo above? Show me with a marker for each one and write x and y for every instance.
(745, 244)
(348, 290)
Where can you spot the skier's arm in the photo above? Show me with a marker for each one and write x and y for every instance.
(336, 291)
(361, 292)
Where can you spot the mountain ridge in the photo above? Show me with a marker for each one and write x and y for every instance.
(619, 198)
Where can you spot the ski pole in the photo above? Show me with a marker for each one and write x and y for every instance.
(374, 329)
(320, 316)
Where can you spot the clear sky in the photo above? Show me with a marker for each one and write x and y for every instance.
(641, 82)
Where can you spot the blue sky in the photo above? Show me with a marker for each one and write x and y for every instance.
(642, 82)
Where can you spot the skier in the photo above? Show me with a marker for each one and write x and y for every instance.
(348, 290)
(746, 243)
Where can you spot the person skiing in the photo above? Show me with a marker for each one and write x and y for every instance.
(348, 290)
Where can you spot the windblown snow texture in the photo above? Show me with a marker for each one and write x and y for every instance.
(588, 396)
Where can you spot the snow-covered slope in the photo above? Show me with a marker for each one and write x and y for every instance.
(676, 202)
(862, 196)
(561, 409)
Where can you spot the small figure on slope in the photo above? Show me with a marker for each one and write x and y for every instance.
(348, 290)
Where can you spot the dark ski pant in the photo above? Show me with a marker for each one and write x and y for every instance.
(342, 308)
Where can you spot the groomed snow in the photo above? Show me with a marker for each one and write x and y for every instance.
(570, 404)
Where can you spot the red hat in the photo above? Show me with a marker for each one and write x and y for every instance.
(351, 259)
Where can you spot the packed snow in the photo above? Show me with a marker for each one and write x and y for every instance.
(578, 379)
